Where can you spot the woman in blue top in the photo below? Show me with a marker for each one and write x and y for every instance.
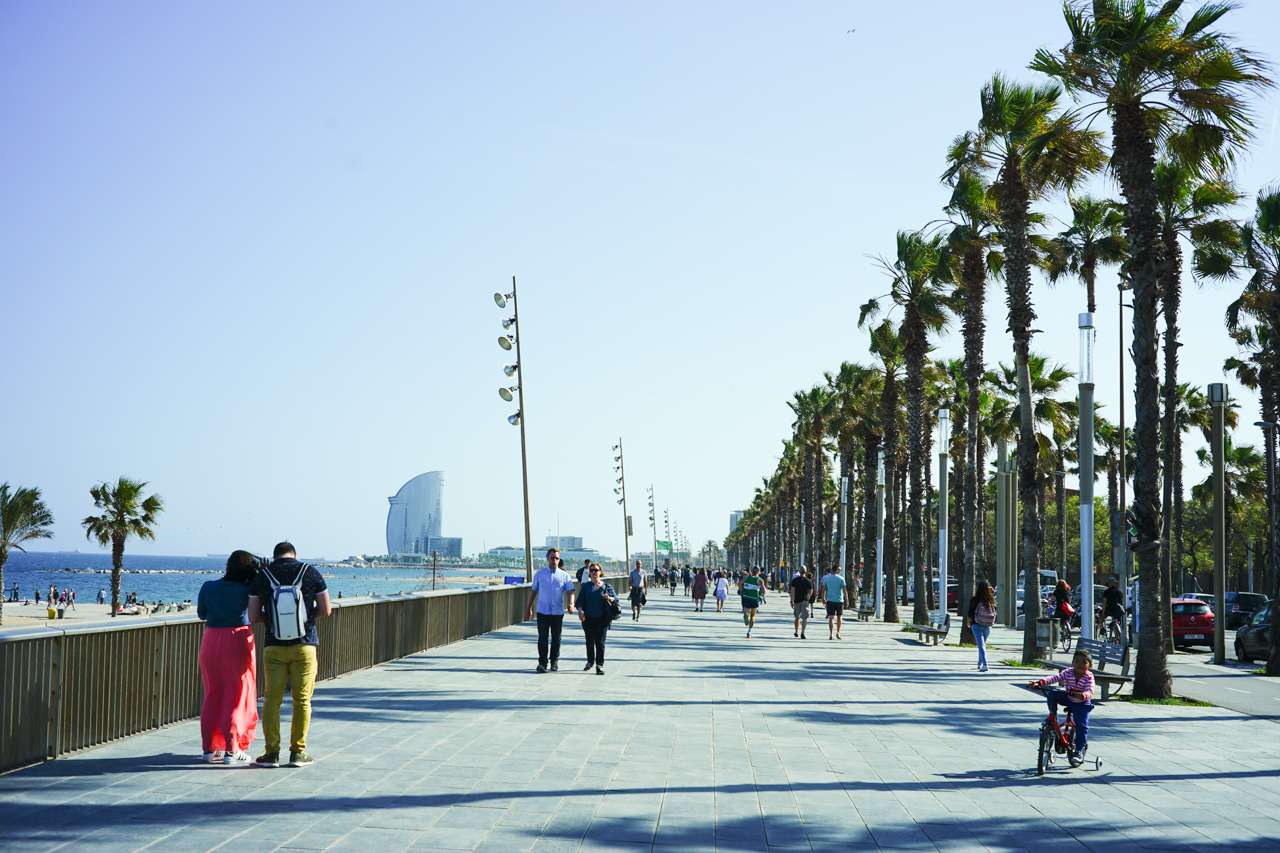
(593, 611)
(228, 667)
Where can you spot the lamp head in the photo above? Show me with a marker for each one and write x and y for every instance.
(500, 299)
(505, 393)
(510, 369)
(514, 420)
(504, 341)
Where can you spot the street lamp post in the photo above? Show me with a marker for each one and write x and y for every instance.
(879, 531)
(944, 432)
(1269, 575)
(622, 489)
(1218, 402)
(505, 341)
(844, 550)
(1085, 452)
(653, 523)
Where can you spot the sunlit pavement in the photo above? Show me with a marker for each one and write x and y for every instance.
(696, 738)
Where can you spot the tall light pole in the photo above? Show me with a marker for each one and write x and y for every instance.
(879, 531)
(653, 523)
(1273, 655)
(844, 506)
(1218, 402)
(1084, 450)
(944, 433)
(621, 468)
(505, 341)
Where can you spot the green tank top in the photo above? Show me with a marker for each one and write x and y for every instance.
(751, 588)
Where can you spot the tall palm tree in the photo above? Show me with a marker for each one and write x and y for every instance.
(1244, 478)
(926, 309)
(1037, 150)
(1154, 75)
(856, 391)
(23, 517)
(125, 512)
(887, 345)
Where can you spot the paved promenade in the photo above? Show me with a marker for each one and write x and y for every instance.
(696, 739)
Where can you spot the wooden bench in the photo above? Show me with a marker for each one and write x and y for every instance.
(937, 629)
(865, 609)
(1103, 653)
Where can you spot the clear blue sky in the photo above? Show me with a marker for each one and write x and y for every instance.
(248, 251)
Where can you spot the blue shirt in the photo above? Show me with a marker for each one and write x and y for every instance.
(223, 604)
(834, 586)
(591, 601)
(637, 579)
(551, 587)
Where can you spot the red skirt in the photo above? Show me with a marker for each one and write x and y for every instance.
(229, 716)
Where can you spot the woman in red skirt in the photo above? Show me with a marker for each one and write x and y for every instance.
(228, 667)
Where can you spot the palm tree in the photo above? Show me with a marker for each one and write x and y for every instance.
(1244, 478)
(125, 513)
(1154, 75)
(887, 345)
(926, 303)
(1037, 150)
(856, 391)
(23, 517)
(813, 409)
(1096, 236)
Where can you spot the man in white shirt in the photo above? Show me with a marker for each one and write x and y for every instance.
(552, 591)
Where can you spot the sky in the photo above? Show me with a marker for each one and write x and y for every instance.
(248, 250)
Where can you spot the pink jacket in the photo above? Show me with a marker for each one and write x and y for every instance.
(1070, 681)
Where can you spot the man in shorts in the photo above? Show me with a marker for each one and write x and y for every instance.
(638, 584)
(834, 593)
(801, 588)
(751, 588)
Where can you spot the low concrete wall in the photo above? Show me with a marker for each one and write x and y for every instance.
(69, 688)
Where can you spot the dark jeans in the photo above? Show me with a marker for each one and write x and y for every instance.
(595, 627)
(549, 624)
(1079, 712)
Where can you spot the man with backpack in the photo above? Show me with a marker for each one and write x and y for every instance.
(288, 596)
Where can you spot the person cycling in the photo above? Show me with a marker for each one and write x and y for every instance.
(1077, 698)
(1062, 609)
(1113, 604)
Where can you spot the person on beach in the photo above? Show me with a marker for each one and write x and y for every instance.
(801, 592)
(639, 581)
(228, 663)
(981, 616)
(722, 591)
(834, 595)
(288, 660)
(699, 589)
(751, 588)
(592, 603)
(551, 588)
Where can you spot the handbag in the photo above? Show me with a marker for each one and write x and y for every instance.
(615, 609)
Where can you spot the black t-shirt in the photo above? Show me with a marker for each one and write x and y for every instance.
(801, 588)
(1112, 598)
(285, 571)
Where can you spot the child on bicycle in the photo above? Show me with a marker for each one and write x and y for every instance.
(1078, 681)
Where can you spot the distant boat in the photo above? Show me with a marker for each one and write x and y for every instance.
(76, 551)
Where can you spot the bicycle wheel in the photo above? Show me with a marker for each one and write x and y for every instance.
(1045, 756)
(1064, 638)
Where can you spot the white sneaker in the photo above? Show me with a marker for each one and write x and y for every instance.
(215, 757)
(239, 757)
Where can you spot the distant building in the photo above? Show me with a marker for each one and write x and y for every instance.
(414, 520)
(564, 543)
(735, 517)
(571, 548)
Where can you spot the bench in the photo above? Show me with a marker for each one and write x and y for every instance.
(865, 609)
(1103, 653)
(937, 629)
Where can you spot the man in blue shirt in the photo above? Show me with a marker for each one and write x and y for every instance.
(552, 590)
(834, 594)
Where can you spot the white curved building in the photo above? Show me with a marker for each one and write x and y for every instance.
(414, 518)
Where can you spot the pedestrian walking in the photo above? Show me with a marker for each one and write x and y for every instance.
(722, 591)
(699, 589)
(982, 615)
(593, 601)
(834, 594)
(801, 593)
(639, 582)
(751, 588)
(281, 595)
(673, 578)
(102, 596)
(228, 663)
(552, 587)
(686, 576)
(582, 572)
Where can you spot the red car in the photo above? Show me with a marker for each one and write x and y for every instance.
(1192, 622)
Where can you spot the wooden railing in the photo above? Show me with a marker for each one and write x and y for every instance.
(68, 688)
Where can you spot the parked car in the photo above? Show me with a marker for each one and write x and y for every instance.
(1253, 640)
(1192, 622)
(1242, 605)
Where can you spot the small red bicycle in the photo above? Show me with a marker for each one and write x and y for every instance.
(1057, 738)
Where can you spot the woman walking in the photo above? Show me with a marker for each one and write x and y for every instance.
(722, 591)
(229, 716)
(592, 603)
(982, 615)
(699, 589)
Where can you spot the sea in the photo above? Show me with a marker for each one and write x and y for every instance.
(157, 578)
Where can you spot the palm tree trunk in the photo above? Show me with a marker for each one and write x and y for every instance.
(904, 529)
(117, 566)
(915, 347)
(974, 277)
(1178, 529)
(889, 419)
(1113, 506)
(871, 452)
(1170, 288)
(1060, 500)
(1135, 167)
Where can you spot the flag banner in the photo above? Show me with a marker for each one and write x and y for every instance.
(664, 546)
